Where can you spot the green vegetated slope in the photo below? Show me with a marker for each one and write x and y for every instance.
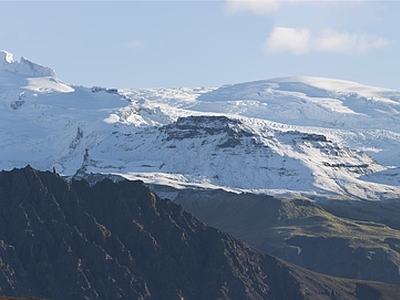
(359, 240)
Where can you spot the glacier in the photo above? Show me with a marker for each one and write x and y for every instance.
(317, 137)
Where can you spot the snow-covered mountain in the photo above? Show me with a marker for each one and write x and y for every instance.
(313, 136)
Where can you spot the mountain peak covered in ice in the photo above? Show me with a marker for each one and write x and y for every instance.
(19, 77)
(7, 57)
(307, 135)
(24, 66)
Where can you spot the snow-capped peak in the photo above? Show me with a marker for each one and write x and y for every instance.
(23, 67)
(6, 61)
(6, 57)
(307, 135)
(17, 77)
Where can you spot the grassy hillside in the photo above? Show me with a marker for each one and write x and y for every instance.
(359, 240)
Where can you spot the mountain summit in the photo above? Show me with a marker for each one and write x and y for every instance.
(24, 79)
(23, 67)
(315, 136)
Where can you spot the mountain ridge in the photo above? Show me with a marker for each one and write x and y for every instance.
(24, 66)
(119, 240)
(49, 124)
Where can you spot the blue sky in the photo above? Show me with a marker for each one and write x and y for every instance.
(200, 43)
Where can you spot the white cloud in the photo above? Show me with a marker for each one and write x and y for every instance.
(258, 7)
(301, 41)
(293, 40)
(267, 7)
(344, 42)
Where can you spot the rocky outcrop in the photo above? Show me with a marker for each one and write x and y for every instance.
(205, 126)
(120, 241)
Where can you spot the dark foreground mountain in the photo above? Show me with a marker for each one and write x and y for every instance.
(120, 241)
(13, 298)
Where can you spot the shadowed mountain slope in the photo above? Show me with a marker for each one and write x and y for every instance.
(120, 241)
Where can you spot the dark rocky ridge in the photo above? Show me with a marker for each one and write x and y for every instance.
(204, 126)
(120, 241)
(14, 298)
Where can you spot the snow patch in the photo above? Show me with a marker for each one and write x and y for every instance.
(111, 119)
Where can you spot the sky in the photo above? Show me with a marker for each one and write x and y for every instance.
(141, 44)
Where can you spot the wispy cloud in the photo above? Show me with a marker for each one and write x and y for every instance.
(254, 6)
(301, 41)
(135, 45)
(266, 7)
(346, 42)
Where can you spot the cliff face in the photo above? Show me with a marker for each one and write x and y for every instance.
(120, 241)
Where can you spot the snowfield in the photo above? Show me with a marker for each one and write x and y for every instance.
(296, 135)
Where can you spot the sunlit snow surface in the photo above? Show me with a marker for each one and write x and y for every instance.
(302, 135)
